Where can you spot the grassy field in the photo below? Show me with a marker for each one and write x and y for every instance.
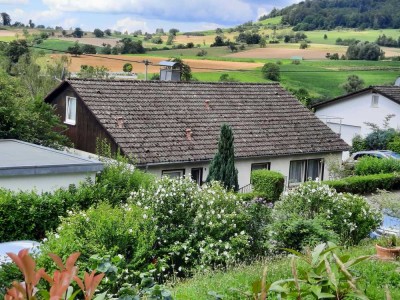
(7, 38)
(213, 53)
(321, 78)
(271, 21)
(379, 274)
(365, 35)
(56, 45)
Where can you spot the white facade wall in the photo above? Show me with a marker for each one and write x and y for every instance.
(43, 183)
(280, 164)
(354, 112)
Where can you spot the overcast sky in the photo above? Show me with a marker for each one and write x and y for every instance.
(147, 15)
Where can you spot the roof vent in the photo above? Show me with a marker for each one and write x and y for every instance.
(188, 134)
(397, 82)
(207, 104)
(120, 122)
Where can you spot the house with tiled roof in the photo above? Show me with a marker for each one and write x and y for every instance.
(347, 115)
(172, 128)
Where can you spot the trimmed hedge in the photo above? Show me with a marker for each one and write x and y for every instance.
(375, 165)
(366, 184)
(268, 184)
(28, 215)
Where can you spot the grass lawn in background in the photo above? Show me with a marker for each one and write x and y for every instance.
(321, 78)
(57, 45)
(7, 38)
(271, 21)
(369, 35)
(373, 274)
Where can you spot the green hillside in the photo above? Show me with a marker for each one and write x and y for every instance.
(329, 14)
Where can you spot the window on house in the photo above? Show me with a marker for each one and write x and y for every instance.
(302, 170)
(375, 101)
(173, 173)
(297, 171)
(70, 111)
(197, 175)
(261, 166)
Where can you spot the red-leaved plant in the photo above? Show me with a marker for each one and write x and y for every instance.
(60, 282)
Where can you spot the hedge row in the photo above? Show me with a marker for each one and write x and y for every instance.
(28, 215)
(366, 184)
(375, 165)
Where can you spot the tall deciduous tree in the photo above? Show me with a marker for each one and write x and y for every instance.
(27, 119)
(98, 33)
(222, 167)
(78, 33)
(5, 19)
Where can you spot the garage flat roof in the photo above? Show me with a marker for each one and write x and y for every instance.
(21, 158)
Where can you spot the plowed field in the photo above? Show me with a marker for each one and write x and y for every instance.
(115, 64)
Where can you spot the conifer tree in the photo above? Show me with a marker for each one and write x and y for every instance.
(222, 167)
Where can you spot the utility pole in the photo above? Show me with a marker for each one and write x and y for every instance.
(146, 63)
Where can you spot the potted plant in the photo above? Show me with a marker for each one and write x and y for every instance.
(387, 248)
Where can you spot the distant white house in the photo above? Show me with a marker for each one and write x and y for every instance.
(347, 115)
(26, 167)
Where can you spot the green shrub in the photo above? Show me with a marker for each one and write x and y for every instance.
(298, 233)
(366, 184)
(358, 144)
(268, 184)
(197, 227)
(28, 215)
(9, 272)
(127, 231)
(379, 139)
(247, 196)
(394, 144)
(375, 165)
(348, 216)
(118, 180)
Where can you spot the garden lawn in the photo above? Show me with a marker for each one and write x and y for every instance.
(373, 274)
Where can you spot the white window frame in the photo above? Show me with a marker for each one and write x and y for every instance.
(255, 165)
(375, 100)
(304, 170)
(168, 172)
(67, 111)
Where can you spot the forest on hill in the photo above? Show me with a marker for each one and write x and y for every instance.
(329, 14)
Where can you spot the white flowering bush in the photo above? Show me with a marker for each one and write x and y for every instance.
(196, 227)
(348, 217)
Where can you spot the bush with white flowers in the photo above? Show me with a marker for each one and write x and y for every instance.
(197, 227)
(349, 216)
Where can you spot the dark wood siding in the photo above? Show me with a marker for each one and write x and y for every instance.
(87, 129)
